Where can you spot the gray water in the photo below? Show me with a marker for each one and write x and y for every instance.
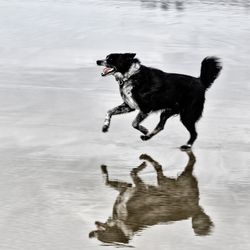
(53, 102)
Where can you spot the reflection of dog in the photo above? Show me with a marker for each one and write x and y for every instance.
(139, 206)
(148, 90)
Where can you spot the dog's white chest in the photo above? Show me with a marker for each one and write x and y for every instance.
(126, 93)
(121, 203)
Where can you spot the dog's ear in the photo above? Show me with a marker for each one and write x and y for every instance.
(130, 55)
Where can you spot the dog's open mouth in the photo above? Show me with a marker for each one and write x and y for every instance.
(107, 71)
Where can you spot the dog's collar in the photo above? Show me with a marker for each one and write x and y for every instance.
(128, 232)
(134, 69)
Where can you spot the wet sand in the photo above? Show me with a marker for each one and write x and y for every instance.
(53, 102)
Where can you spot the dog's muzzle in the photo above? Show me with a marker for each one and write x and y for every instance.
(108, 69)
(101, 62)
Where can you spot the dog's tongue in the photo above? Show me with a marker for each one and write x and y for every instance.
(107, 70)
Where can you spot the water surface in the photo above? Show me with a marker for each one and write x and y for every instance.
(53, 102)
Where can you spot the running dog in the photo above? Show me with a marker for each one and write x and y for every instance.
(141, 205)
(148, 89)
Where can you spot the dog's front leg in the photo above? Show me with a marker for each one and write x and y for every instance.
(138, 119)
(160, 126)
(117, 185)
(136, 179)
(121, 109)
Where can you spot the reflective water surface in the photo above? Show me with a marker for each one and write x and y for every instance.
(143, 205)
(53, 102)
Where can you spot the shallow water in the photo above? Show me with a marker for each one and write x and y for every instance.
(53, 102)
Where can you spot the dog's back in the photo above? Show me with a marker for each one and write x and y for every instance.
(157, 90)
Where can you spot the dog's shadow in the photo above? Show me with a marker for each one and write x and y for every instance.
(140, 205)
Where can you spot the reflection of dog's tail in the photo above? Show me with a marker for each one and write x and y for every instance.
(210, 69)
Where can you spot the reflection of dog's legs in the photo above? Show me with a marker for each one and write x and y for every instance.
(190, 165)
(136, 179)
(160, 126)
(121, 109)
(117, 185)
(139, 168)
(148, 158)
(158, 168)
(136, 123)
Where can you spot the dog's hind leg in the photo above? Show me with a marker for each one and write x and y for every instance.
(160, 126)
(121, 109)
(189, 116)
(138, 119)
(190, 126)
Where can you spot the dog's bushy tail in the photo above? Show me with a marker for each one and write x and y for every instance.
(210, 70)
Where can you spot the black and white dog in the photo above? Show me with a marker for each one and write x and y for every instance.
(148, 89)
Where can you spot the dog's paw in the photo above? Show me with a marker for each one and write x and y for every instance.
(144, 157)
(186, 147)
(145, 137)
(105, 128)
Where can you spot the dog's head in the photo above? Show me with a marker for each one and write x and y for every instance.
(116, 63)
(109, 232)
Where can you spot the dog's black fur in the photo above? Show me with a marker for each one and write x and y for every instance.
(153, 90)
